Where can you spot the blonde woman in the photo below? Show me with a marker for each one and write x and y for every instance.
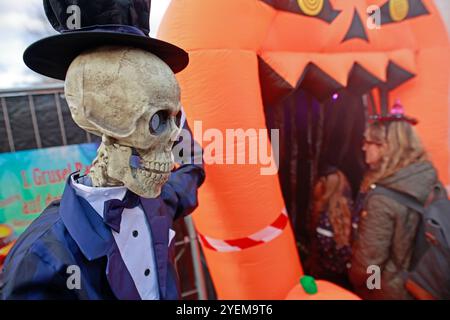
(387, 229)
(332, 226)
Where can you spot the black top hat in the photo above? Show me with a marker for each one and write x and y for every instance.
(103, 22)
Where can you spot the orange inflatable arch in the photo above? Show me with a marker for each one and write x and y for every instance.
(246, 56)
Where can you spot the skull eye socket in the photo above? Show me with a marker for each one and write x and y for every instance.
(158, 122)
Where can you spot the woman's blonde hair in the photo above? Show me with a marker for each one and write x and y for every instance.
(403, 147)
(330, 194)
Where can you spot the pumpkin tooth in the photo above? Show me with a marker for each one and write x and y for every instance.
(338, 71)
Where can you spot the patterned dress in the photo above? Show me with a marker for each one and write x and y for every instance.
(332, 261)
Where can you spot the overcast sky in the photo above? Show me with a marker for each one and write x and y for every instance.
(17, 18)
(22, 22)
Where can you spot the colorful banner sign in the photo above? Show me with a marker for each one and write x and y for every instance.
(30, 180)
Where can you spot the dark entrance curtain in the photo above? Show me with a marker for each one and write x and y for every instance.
(314, 134)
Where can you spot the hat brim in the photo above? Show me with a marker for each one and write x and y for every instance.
(53, 55)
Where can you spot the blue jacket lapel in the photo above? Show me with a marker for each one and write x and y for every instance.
(85, 226)
(119, 278)
(159, 225)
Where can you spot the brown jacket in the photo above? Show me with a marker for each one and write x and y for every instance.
(387, 231)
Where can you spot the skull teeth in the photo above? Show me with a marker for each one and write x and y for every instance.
(157, 167)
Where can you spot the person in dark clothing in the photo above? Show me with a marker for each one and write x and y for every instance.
(333, 227)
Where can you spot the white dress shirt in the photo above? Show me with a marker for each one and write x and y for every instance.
(134, 240)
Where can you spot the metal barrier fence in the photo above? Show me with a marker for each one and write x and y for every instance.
(35, 118)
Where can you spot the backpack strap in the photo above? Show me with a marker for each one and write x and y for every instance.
(400, 197)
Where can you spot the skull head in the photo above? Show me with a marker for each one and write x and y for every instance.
(131, 99)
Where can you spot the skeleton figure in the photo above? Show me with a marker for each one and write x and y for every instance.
(131, 99)
(116, 225)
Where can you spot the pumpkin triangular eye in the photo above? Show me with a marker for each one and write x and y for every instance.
(399, 10)
(320, 9)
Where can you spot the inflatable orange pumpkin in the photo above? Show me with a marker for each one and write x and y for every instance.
(258, 64)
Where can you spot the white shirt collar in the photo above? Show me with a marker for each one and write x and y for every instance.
(96, 196)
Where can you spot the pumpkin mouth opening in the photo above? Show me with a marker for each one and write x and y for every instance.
(282, 73)
(321, 122)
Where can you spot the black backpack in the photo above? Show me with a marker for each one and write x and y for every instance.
(429, 273)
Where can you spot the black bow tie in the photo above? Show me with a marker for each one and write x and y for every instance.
(112, 210)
